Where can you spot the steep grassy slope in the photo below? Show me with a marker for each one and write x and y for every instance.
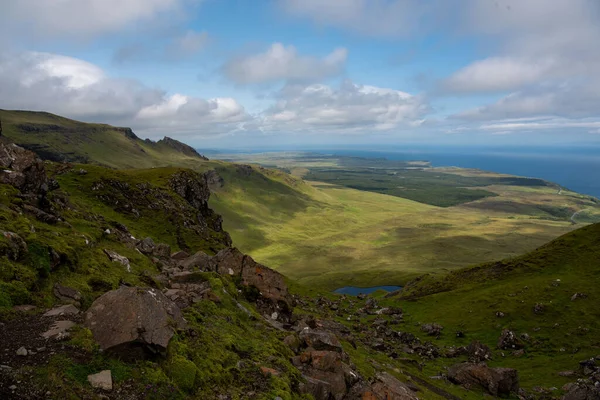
(57, 138)
(563, 333)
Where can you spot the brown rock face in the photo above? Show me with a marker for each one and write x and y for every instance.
(130, 321)
(229, 261)
(270, 283)
(22, 169)
(386, 387)
(497, 381)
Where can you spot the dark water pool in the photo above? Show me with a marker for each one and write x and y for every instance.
(355, 291)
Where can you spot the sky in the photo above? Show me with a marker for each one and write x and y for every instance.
(297, 73)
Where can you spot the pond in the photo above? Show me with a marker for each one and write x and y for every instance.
(355, 291)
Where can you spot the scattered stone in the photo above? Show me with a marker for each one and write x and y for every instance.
(567, 374)
(509, 341)
(102, 380)
(130, 320)
(115, 257)
(24, 308)
(68, 309)
(432, 329)
(478, 352)
(22, 351)
(497, 381)
(539, 308)
(12, 387)
(578, 296)
(500, 314)
(59, 330)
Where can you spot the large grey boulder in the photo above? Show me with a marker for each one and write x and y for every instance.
(131, 321)
(497, 381)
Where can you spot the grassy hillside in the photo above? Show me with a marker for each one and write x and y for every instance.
(57, 138)
(564, 333)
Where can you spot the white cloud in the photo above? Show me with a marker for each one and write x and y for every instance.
(349, 108)
(188, 44)
(499, 74)
(164, 49)
(281, 62)
(78, 89)
(87, 18)
(370, 17)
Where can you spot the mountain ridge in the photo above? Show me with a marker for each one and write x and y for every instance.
(57, 138)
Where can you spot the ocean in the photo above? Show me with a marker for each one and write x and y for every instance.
(574, 168)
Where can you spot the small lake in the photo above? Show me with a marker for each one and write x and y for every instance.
(355, 291)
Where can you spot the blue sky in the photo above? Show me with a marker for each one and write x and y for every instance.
(242, 73)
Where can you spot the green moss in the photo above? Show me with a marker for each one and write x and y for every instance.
(14, 293)
(183, 372)
(83, 338)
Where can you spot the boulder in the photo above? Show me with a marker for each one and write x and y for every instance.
(326, 374)
(432, 329)
(130, 321)
(270, 283)
(200, 260)
(319, 390)
(66, 294)
(581, 391)
(102, 380)
(387, 387)
(320, 340)
(496, 381)
(146, 246)
(22, 169)
(229, 261)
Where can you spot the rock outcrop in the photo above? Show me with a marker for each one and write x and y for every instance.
(131, 321)
(496, 381)
(269, 286)
(22, 169)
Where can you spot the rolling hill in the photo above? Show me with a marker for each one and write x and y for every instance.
(61, 139)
